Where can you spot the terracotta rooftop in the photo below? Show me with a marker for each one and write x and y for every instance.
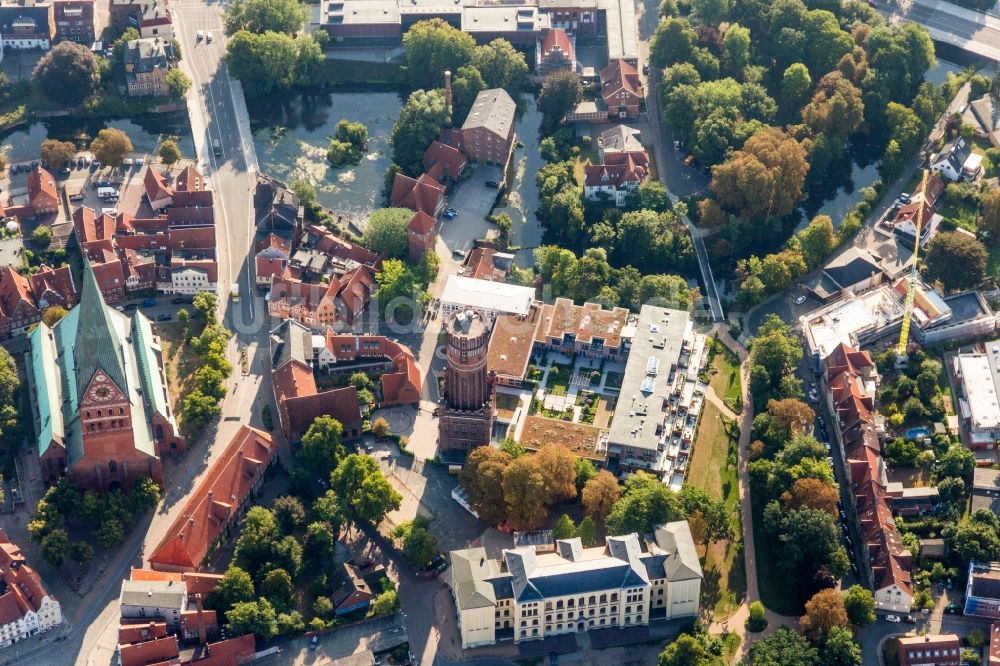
(557, 39)
(511, 342)
(620, 75)
(155, 185)
(139, 632)
(24, 586)
(190, 180)
(421, 223)
(156, 651)
(440, 159)
(585, 322)
(421, 194)
(226, 485)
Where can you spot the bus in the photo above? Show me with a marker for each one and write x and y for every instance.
(234, 292)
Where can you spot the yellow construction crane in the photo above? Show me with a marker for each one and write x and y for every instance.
(904, 331)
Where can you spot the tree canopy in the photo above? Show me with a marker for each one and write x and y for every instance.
(432, 47)
(260, 16)
(386, 232)
(68, 73)
(420, 121)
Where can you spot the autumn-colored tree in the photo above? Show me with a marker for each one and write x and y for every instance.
(765, 178)
(525, 493)
(792, 416)
(600, 495)
(482, 477)
(558, 466)
(836, 108)
(823, 612)
(812, 493)
(989, 223)
(709, 214)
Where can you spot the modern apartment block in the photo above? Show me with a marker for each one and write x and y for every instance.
(531, 595)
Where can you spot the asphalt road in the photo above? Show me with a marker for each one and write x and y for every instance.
(218, 117)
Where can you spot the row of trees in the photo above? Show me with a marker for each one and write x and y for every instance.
(270, 61)
(207, 389)
(106, 517)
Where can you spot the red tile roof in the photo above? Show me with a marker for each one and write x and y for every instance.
(326, 241)
(230, 652)
(192, 238)
(269, 268)
(137, 633)
(150, 652)
(274, 242)
(421, 223)
(53, 285)
(440, 159)
(619, 76)
(155, 185)
(557, 39)
(190, 180)
(24, 586)
(42, 192)
(421, 194)
(16, 300)
(216, 501)
(618, 168)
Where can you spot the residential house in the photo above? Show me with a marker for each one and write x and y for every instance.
(152, 18)
(346, 354)
(443, 162)
(982, 590)
(27, 24)
(147, 62)
(352, 592)
(158, 193)
(484, 262)
(621, 89)
(856, 270)
(26, 607)
(23, 299)
(298, 398)
(488, 131)
(986, 490)
(74, 20)
(217, 504)
(272, 253)
(586, 330)
(195, 623)
(277, 208)
(110, 430)
(904, 224)
(420, 235)
(957, 161)
(43, 195)
(319, 305)
(554, 51)
(532, 595)
(619, 139)
(619, 175)
(423, 194)
(930, 650)
(163, 600)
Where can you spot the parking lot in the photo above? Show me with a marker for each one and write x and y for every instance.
(472, 200)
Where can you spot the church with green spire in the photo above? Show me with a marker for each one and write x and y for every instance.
(99, 396)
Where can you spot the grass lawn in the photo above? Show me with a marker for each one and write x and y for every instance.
(614, 380)
(713, 469)
(961, 213)
(559, 376)
(586, 156)
(725, 370)
(179, 360)
(772, 582)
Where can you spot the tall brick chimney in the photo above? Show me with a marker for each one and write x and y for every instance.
(447, 91)
(202, 631)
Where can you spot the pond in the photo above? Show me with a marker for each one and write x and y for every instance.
(292, 135)
(146, 133)
(849, 195)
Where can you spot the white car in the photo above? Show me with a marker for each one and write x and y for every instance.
(198, 35)
(893, 618)
(208, 37)
(128, 161)
(800, 300)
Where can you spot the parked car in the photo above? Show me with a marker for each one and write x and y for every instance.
(177, 301)
(164, 317)
(458, 254)
(149, 303)
(854, 568)
(492, 183)
(800, 300)
(450, 213)
(689, 160)
(208, 37)
(953, 609)
(199, 35)
(905, 197)
(313, 643)
(128, 161)
(893, 618)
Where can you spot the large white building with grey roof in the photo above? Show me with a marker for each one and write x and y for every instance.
(660, 398)
(531, 595)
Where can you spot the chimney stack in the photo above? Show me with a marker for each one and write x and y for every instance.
(202, 631)
(447, 91)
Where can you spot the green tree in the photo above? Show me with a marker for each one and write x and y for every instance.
(348, 144)
(111, 145)
(277, 588)
(169, 152)
(376, 498)
(386, 232)
(817, 240)
(836, 108)
(673, 42)
(795, 86)
(179, 83)
(81, 552)
(234, 587)
(587, 531)
(199, 409)
(55, 547)
(384, 604)
(811, 539)
(319, 542)
(757, 619)
(564, 528)
(322, 446)
(686, 650)
(645, 503)
(585, 471)
(432, 47)
(419, 545)
(309, 62)
(957, 260)
(512, 448)
(257, 540)
(329, 509)
(839, 648)
(501, 65)
(466, 84)
(859, 603)
(41, 236)
(737, 48)
(957, 461)
(783, 648)
(561, 92)
(289, 513)
(975, 540)
(262, 62)
(711, 12)
(67, 74)
(253, 617)
(420, 121)
(260, 16)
